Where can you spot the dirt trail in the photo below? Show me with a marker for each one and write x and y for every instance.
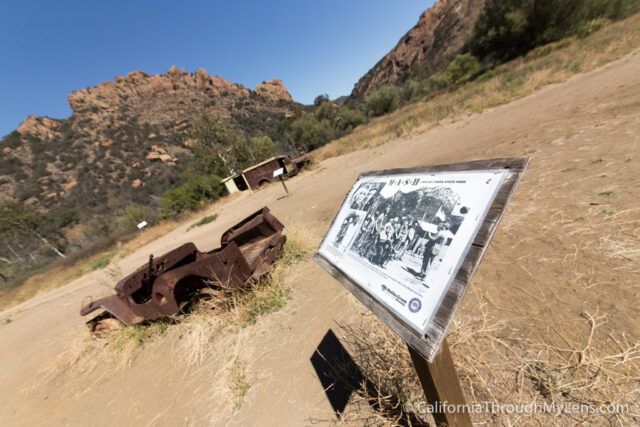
(563, 248)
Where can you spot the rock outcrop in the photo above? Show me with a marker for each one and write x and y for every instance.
(440, 32)
(43, 128)
(273, 90)
(140, 85)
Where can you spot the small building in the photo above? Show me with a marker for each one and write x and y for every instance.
(235, 183)
(262, 173)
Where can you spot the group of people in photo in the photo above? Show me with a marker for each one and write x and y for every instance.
(391, 231)
(383, 238)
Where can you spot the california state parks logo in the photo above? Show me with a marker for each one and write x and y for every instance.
(415, 305)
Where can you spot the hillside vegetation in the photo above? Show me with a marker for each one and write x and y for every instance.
(148, 148)
(544, 65)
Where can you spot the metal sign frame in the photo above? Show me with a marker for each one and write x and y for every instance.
(428, 344)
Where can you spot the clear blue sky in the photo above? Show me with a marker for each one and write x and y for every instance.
(50, 48)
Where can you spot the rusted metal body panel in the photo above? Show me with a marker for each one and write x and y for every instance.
(263, 173)
(165, 284)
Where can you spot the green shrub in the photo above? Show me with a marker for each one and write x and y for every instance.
(591, 26)
(262, 148)
(311, 132)
(463, 67)
(342, 119)
(349, 118)
(383, 100)
(190, 195)
(203, 221)
(412, 90)
(134, 215)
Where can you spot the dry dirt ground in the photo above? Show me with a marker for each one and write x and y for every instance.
(566, 249)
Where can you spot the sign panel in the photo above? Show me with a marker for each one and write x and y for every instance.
(401, 237)
(142, 225)
(278, 172)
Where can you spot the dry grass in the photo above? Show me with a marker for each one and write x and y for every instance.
(230, 311)
(195, 335)
(545, 65)
(52, 279)
(497, 365)
(60, 276)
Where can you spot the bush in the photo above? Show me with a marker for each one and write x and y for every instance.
(320, 99)
(262, 148)
(311, 132)
(591, 26)
(134, 215)
(349, 118)
(382, 100)
(203, 221)
(190, 195)
(11, 140)
(412, 90)
(342, 119)
(463, 67)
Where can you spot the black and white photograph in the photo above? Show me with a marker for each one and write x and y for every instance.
(365, 195)
(349, 226)
(402, 237)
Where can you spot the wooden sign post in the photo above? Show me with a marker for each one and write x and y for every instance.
(280, 173)
(407, 242)
(440, 384)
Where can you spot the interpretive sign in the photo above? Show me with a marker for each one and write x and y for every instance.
(406, 242)
(278, 172)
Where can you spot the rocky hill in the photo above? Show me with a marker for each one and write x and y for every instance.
(126, 139)
(440, 32)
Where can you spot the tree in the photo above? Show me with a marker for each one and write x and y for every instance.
(262, 148)
(217, 149)
(18, 220)
(320, 99)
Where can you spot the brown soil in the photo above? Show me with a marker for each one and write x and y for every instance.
(567, 246)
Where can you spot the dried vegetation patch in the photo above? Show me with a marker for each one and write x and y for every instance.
(196, 337)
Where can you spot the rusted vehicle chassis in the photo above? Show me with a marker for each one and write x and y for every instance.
(165, 284)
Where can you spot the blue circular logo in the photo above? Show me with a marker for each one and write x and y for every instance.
(415, 305)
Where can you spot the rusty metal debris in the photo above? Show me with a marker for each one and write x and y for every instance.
(164, 285)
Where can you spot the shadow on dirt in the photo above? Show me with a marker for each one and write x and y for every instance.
(341, 378)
